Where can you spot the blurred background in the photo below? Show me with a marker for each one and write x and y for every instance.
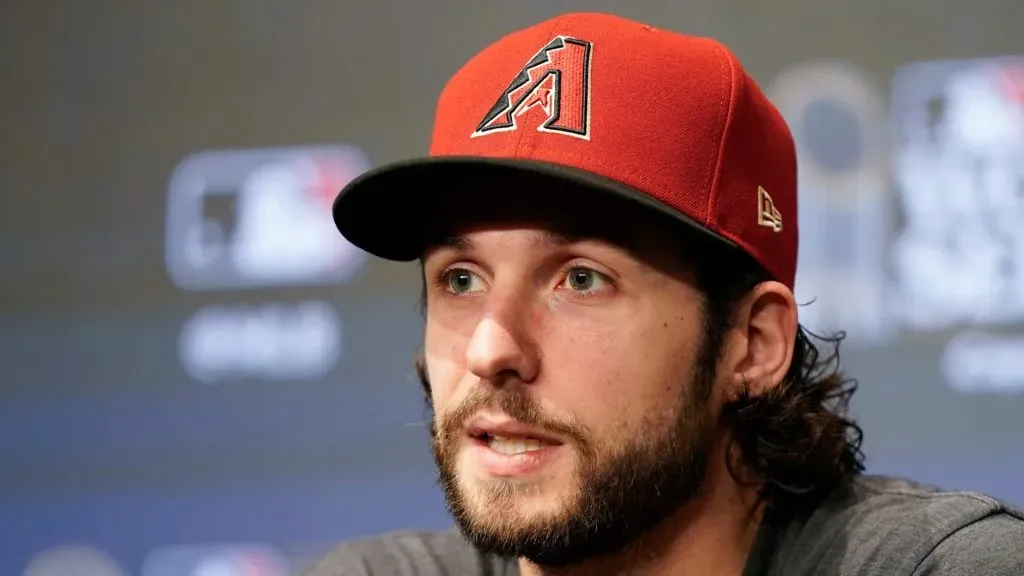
(198, 377)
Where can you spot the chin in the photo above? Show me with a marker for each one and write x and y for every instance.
(524, 520)
(527, 526)
(523, 494)
(520, 501)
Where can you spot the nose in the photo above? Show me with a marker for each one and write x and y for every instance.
(500, 349)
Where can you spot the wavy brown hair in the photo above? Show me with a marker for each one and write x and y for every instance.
(795, 441)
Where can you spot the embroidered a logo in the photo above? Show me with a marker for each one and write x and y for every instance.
(557, 80)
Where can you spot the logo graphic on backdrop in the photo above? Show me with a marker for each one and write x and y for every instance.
(73, 560)
(242, 560)
(838, 120)
(557, 80)
(273, 341)
(958, 262)
(959, 258)
(258, 218)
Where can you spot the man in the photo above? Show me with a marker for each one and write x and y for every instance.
(612, 353)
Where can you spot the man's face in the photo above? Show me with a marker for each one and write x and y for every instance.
(571, 387)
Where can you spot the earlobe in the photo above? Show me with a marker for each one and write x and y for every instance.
(770, 322)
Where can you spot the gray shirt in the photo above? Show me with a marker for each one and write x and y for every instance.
(880, 526)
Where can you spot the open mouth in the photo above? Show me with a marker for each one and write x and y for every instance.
(512, 445)
(504, 448)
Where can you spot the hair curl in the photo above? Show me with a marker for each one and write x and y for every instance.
(795, 440)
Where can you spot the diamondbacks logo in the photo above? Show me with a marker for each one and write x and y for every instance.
(556, 79)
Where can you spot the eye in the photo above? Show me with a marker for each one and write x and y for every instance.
(462, 281)
(582, 279)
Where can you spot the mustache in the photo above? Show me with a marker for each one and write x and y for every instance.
(510, 401)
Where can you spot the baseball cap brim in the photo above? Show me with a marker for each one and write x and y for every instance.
(389, 211)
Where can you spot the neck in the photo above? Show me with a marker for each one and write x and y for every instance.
(713, 534)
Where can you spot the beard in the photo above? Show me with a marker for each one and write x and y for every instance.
(622, 491)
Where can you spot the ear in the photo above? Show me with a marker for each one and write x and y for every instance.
(762, 338)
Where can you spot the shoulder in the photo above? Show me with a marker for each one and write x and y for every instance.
(896, 526)
(992, 546)
(895, 503)
(408, 553)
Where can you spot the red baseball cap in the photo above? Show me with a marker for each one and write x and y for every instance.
(664, 119)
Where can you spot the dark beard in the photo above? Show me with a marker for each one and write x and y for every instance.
(621, 496)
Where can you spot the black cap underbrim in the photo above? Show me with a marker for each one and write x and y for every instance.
(386, 211)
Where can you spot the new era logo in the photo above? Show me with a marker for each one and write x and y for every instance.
(767, 214)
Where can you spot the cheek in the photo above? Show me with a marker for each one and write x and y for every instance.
(592, 372)
(444, 352)
(619, 375)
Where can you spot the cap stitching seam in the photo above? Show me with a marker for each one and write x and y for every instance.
(716, 174)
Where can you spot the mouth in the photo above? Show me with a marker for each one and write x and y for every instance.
(506, 448)
(512, 445)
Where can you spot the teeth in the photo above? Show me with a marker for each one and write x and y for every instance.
(512, 446)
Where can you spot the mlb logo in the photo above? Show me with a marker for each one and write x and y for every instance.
(254, 560)
(257, 218)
